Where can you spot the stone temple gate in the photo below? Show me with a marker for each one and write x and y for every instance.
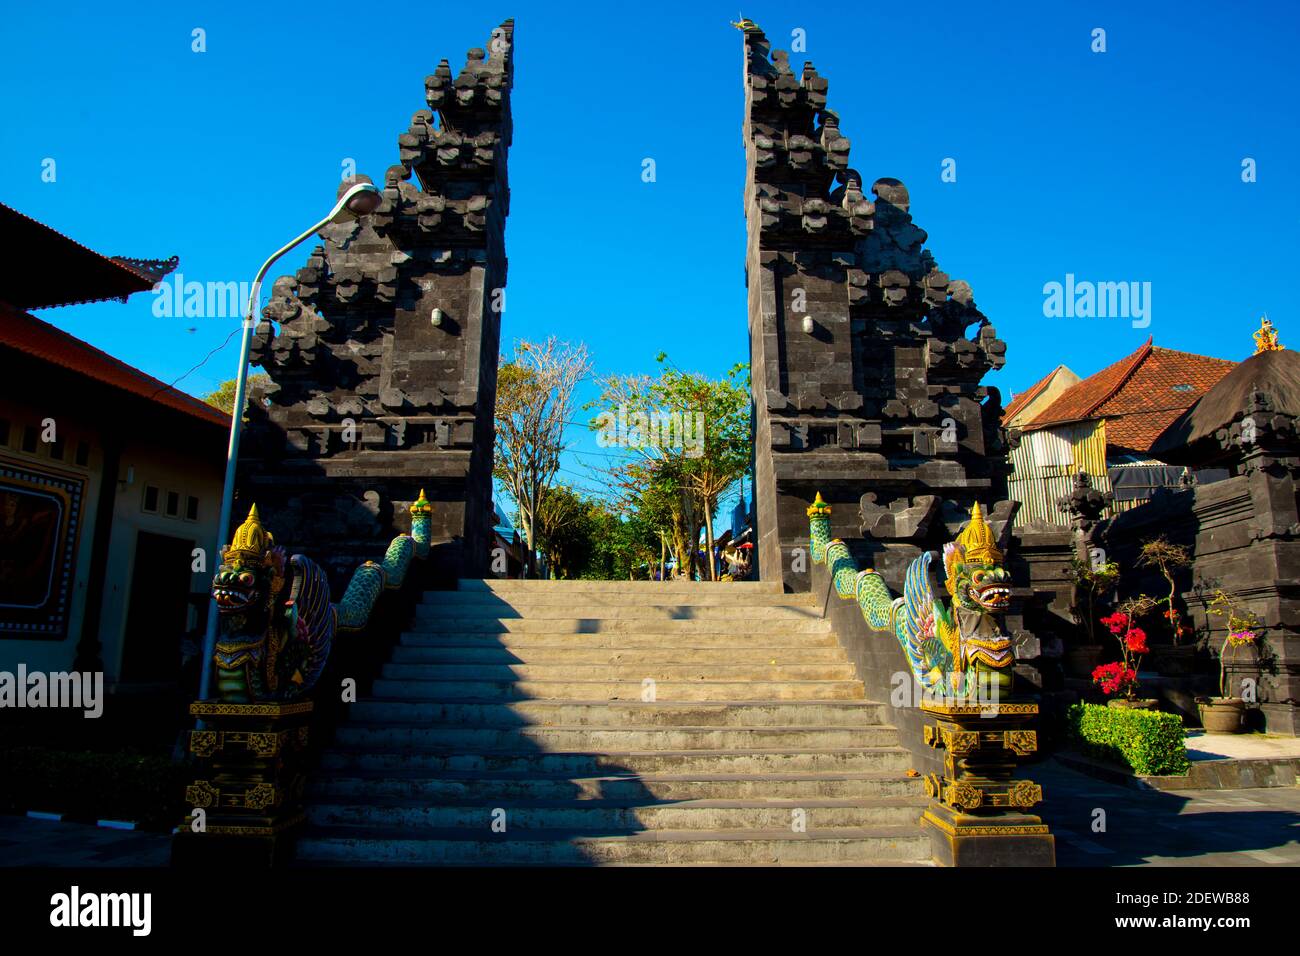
(384, 368)
(866, 358)
(866, 368)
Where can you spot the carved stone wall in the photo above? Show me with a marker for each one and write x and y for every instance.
(866, 358)
(383, 365)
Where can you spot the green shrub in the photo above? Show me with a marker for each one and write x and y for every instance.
(1146, 741)
(92, 786)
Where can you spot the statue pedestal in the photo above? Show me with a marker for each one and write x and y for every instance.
(249, 774)
(977, 814)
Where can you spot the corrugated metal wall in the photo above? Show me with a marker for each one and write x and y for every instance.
(1044, 465)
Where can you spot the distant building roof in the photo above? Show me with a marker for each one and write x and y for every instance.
(1138, 396)
(42, 268)
(33, 337)
(1020, 402)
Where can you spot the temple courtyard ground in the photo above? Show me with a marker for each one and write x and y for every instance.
(1097, 824)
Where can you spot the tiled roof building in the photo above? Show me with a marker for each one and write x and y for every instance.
(1105, 426)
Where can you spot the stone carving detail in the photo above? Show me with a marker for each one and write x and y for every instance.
(898, 520)
(1085, 504)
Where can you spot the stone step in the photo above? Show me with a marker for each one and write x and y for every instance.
(576, 713)
(528, 600)
(659, 847)
(542, 763)
(528, 697)
(740, 618)
(608, 817)
(608, 739)
(661, 637)
(736, 629)
(619, 689)
(636, 589)
(489, 652)
(622, 672)
(338, 786)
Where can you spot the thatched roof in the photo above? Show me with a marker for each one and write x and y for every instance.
(1189, 438)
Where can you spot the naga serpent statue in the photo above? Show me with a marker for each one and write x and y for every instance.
(955, 649)
(276, 620)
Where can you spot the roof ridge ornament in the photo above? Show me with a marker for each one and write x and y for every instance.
(1266, 337)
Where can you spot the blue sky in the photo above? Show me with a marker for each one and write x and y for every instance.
(1115, 166)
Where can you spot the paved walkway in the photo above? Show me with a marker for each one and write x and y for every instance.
(27, 842)
(1254, 827)
(1182, 828)
(1203, 746)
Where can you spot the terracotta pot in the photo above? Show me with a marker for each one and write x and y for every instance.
(1082, 659)
(1123, 703)
(1222, 715)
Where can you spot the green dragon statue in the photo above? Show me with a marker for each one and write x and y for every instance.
(276, 622)
(955, 649)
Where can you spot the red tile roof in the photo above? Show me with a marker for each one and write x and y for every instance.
(1028, 395)
(1139, 396)
(42, 268)
(30, 336)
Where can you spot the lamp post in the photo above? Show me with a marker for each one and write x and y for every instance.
(357, 200)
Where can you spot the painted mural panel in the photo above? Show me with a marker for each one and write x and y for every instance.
(40, 521)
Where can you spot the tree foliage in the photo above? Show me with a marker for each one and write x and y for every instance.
(673, 479)
(535, 401)
(224, 397)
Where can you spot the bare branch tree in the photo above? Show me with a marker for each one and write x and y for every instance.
(535, 402)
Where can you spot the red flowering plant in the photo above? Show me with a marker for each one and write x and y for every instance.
(1121, 677)
(1114, 678)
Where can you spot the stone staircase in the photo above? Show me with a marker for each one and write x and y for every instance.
(615, 723)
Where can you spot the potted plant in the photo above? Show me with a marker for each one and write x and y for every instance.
(1119, 679)
(1223, 714)
(1168, 558)
(1091, 582)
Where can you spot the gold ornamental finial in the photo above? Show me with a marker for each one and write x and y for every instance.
(977, 542)
(421, 505)
(1266, 338)
(819, 508)
(251, 540)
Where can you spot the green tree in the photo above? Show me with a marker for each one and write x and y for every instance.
(722, 407)
(676, 480)
(565, 531)
(224, 397)
(624, 545)
(534, 404)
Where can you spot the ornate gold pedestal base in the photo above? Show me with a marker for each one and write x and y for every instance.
(249, 774)
(977, 814)
(1012, 839)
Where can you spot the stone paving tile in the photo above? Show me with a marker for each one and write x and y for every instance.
(26, 842)
(1167, 828)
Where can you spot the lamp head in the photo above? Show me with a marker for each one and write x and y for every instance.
(359, 197)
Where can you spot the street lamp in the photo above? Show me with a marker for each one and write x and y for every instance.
(357, 200)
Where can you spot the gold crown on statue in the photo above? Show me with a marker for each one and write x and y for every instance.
(819, 508)
(421, 505)
(251, 540)
(977, 541)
